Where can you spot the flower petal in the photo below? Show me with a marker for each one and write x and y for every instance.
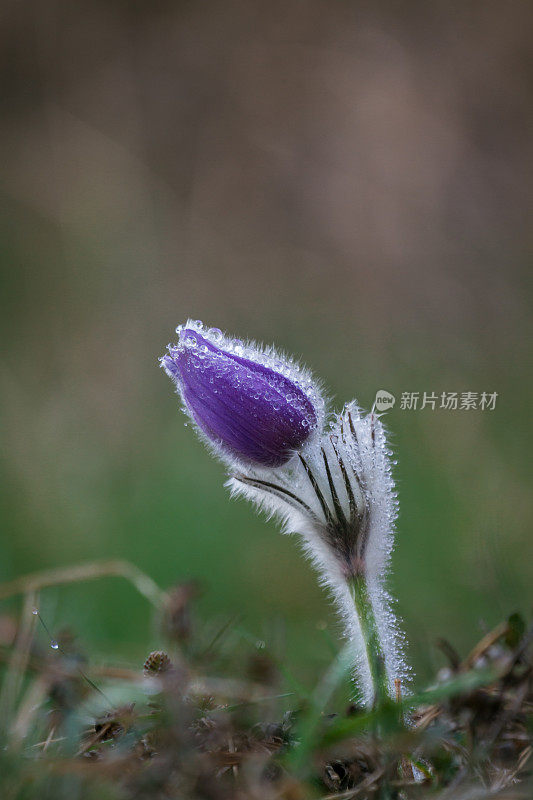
(254, 412)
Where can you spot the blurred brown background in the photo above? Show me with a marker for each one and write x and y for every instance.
(350, 180)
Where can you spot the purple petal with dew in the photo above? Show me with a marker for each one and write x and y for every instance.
(255, 413)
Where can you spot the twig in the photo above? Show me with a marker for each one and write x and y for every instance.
(29, 705)
(482, 646)
(50, 739)
(357, 790)
(84, 572)
(20, 655)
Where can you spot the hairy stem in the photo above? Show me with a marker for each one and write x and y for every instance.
(363, 606)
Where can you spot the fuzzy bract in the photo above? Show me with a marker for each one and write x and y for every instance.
(339, 497)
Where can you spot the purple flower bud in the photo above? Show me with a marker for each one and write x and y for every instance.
(254, 405)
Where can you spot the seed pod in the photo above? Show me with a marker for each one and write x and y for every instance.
(157, 663)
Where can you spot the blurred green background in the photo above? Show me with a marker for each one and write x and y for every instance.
(348, 180)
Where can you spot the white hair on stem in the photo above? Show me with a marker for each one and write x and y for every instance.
(338, 495)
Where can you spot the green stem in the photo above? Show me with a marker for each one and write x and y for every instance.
(359, 590)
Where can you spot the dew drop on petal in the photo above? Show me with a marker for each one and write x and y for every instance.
(215, 334)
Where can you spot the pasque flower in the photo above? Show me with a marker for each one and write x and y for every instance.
(264, 415)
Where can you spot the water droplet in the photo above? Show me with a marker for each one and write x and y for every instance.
(35, 612)
(54, 645)
(260, 644)
(215, 333)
